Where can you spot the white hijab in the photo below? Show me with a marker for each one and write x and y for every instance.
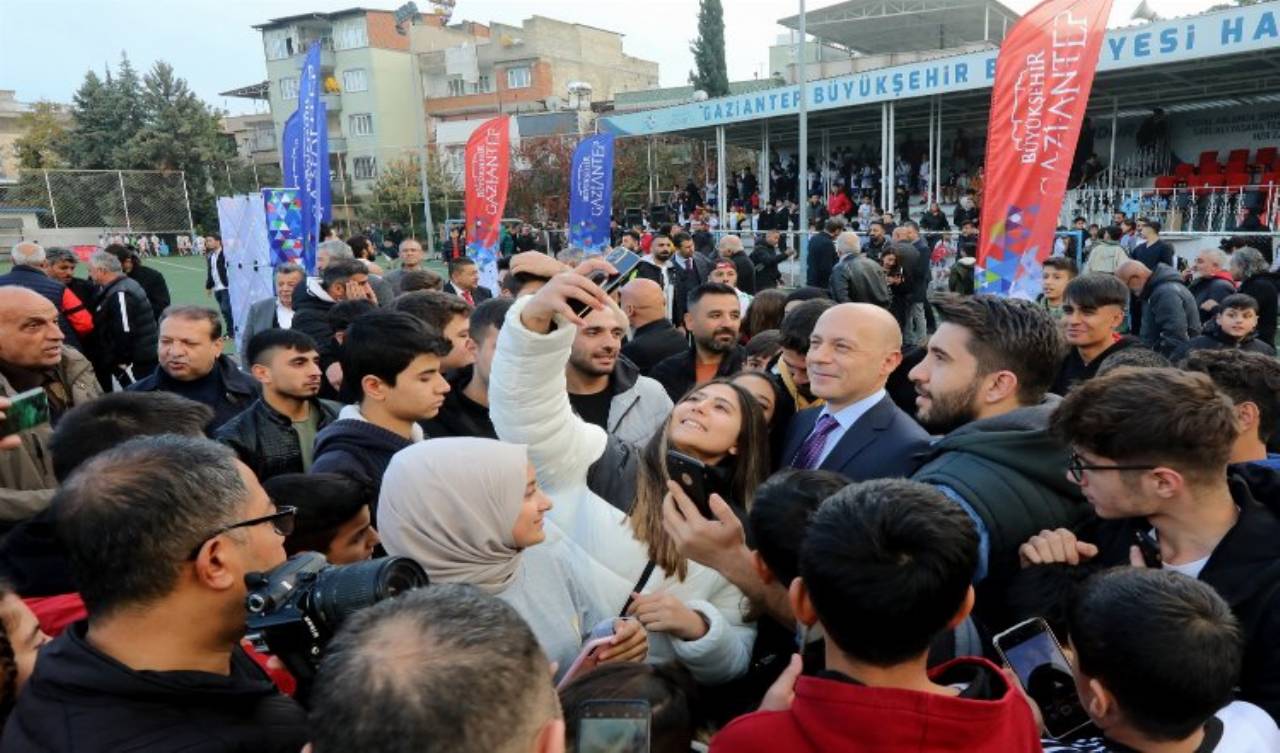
(451, 504)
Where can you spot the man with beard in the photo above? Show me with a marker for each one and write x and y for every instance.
(659, 267)
(605, 388)
(983, 384)
(713, 319)
(276, 434)
(877, 241)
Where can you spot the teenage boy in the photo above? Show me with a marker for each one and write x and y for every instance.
(1235, 327)
(277, 433)
(1149, 451)
(1056, 273)
(1252, 381)
(466, 408)
(447, 315)
(391, 365)
(885, 567)
(1093, 311)
(1137, 636)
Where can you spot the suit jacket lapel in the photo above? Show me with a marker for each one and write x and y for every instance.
(801, 425)
(861, 434)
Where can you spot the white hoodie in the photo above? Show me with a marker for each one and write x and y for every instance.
(529, 405)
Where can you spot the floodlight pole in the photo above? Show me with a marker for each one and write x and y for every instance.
(422, 148)
(802, 169)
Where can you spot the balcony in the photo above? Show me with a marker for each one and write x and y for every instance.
(337, 144)
(332, 102)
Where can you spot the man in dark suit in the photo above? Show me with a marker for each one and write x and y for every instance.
(464, 282)
(859, 432)
(821, 255)
(653, 337)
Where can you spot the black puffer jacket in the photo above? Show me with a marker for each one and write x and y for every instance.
(81, 701)
(124, 328)
(264, 438)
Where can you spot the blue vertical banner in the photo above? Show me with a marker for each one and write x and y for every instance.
(291, 151)
(591, 193)
(315, 156)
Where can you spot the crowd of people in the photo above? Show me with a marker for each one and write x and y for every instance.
(774, 519)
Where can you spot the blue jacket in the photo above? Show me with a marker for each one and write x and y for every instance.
(883, 443)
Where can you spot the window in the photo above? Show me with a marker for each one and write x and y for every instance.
(350, 34)
(364, 168)
(288, 88)
(355, 80)
(361, 125)
(457, 87)
(483, 86)
(519, 78)
(277, 44)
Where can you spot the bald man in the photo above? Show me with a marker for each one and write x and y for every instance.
(653, 337)
(1164, 307)
(32, 356)
(858, 432)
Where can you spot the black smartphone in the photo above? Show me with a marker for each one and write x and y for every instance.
(1030, 649)
(1150, 549)
(691, 475)
(26, 411)
(613, 727)
(624, 262)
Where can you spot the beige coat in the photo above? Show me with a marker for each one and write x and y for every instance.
(26, 473)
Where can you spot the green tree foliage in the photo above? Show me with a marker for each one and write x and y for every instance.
(44, 137)
(155, 123)
(711, 74)
(397, 193)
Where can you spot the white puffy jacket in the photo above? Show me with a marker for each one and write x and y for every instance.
(529, 405)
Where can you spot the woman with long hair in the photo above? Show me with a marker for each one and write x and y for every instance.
(693, 614)
(764, 313)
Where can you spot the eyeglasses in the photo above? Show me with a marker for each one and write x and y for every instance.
(282, 520)
(1076, 467)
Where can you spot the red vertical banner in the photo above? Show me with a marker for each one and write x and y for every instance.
(488, 161)
(1044, 73)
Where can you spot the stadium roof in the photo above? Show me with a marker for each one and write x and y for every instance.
(885, 26)
(252, 91)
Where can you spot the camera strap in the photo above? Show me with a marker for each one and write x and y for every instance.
(640, 584)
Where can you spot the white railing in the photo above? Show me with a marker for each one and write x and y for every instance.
(1214, 210)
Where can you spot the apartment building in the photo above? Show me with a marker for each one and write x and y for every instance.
(367, 80)
(544, 72)
(254, 136)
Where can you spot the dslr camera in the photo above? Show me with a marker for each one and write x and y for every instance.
(296, 608)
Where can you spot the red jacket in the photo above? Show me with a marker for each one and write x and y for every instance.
(834, 716)
(840, 203)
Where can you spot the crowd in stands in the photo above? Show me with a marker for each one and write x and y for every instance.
(772, 520)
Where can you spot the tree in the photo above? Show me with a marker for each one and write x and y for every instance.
(397, 193)
(93, 135)
(44, 137)
(711, 74)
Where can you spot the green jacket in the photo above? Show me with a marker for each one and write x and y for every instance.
(1013, 475)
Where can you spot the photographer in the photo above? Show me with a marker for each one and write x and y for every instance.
(160, 558)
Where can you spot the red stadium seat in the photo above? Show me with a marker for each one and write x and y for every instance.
(1238, 179)
(1210, 168)
(1184, 169)
(1266, 158)
(1166, 183)
(1270, 179)
(1209, 181)
(1238, 157)
(1207, 157)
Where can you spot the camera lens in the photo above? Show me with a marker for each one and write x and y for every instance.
(340, 591)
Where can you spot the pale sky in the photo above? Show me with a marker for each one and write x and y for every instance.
(47, 45)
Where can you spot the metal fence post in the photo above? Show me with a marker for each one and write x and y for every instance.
(49, 190)
(124, 201)
(186, 199)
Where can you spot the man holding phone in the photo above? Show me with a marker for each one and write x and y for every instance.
(32, 356)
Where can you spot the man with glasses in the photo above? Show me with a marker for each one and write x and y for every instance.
(160, 558)
(1150, 453)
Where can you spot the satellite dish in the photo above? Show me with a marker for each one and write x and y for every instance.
(1144, 13)
(579, 87)
(700, 96)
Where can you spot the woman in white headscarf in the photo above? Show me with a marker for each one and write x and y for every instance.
(470, 511)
